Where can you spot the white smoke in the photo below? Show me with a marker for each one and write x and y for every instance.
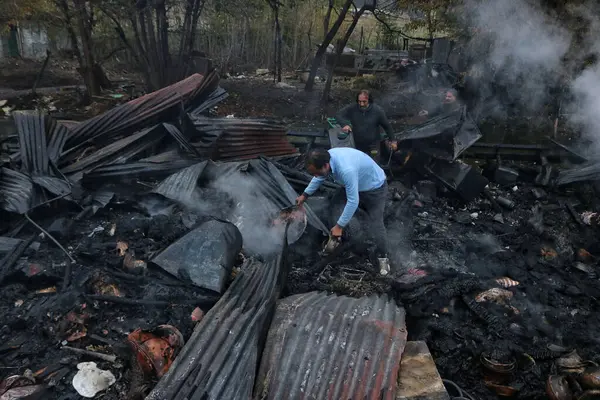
(530, 52)
(520, 48)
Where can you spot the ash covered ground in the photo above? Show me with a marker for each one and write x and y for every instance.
(447, 257)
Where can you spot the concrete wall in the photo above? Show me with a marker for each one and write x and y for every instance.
(34, 40)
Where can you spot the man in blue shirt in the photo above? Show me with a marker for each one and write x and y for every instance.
(365, 183)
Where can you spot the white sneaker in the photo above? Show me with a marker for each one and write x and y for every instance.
(384, 266)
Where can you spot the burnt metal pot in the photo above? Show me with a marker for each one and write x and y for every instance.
(296, 216)
(572, 363)
(590, 378)
(495, 371)
(589, 395)
(557, 388)
(502, 390)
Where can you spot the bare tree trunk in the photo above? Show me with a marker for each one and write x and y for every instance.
(278, 45)
(294, 58)
(339, 51)
(87, 66)
(327, 19)
(64, 7)
(323, 47)
(151, 46)
(277, 39)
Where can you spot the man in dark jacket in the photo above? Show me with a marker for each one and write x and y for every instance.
(364, 120)
(449, 104)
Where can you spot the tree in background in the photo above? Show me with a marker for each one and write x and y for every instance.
(144, 27)
(329, 36)
(339, 50)
(12, 12)
(278, 40)
(434, 16)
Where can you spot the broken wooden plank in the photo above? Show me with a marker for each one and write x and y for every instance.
(419, 378)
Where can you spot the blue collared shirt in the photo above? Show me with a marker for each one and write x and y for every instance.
(354, 170)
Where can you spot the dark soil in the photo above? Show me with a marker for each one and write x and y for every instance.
(18, 74)
(445, 254)
(36, 325)
(249, 96)
(261, 97)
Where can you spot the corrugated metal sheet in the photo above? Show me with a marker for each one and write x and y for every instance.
(277, 189)
(32, 143)
(116, 152)
(219, 360)
(240, 139)
(136, 114)
(141, 170)
(182, 140)
(40, 143)
(47, 150)
(267, 183)
(181, 185)
(8, 243)
(324, 346)
(213, 99)
(170, 155)
(17, 192)
(41, 140)
(56, 186)
(44, 138)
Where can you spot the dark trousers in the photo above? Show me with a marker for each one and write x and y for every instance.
(373, 202)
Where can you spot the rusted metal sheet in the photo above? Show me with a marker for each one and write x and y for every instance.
(130, 172)
(117, 152)
(139, 113)
(230, 139)
(324, 346)
(219, 360)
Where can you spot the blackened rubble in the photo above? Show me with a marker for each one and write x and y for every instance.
(451, 254)
(495, 267)
(92, 192)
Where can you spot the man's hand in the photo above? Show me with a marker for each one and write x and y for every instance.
(392, 145)
(336, 231)
(423, 113)
(300, 200)
(347, 129)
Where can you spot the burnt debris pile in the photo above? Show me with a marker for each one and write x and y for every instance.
(121, 232)
(503, 288)
(155, 252)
